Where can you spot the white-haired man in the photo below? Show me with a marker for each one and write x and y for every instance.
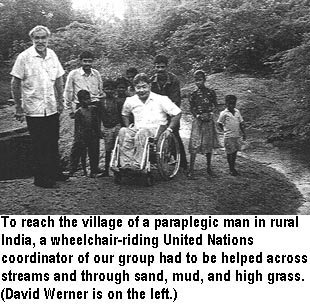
(37, 89)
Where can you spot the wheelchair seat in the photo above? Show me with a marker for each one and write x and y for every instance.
(160, 152)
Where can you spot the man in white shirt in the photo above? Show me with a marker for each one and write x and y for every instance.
(83, 78)
(37, 89)
(150, 110)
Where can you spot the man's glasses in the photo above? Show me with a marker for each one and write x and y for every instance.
(39, 37)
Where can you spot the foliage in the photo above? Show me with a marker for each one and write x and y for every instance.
(18, 17)
(294, 65)
(256, 36)
(70, 41)
(250, 36)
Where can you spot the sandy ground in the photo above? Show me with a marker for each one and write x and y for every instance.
(258, 190)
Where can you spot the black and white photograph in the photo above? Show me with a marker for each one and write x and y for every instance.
(154, 107)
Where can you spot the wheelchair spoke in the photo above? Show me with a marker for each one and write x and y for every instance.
(168, 157)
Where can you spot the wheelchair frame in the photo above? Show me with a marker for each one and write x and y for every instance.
(159, 152)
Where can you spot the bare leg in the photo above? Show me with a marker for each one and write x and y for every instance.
(191, 164)
(234, 156)
(209, 157)
(231, 158)
(83, 160)
(107, 162)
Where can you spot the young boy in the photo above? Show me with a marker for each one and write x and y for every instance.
(121, 84)
(110, 113)
(86, 135)
(203, 137)
(230, 121)
(122, 93)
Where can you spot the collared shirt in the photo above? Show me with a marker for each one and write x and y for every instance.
(38, 75)
(170, 88)
(78, 80)
(231, 123)
(152, 113)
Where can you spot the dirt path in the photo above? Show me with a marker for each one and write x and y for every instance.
(259, 190)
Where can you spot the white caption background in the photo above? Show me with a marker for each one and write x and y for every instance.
(154, 259)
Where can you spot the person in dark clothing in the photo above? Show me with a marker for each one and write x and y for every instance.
(86, 135)
(166, 83)
(122, 93)
(204, 136)
(110, 113)
(121, 84)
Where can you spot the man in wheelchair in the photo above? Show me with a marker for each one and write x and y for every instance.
(150, 111)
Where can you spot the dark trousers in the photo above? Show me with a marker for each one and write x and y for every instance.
(78, 151)
(44, 133)
(183, 161)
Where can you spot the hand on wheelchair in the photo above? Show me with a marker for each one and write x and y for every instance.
(132, 127)
(167, 132)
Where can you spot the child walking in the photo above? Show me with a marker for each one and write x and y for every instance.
(110, 113)
(86, 135)
(231, 122)
(203, 138)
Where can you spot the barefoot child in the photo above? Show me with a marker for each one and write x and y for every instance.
(203, 137)
(86, 135)
(230, 121)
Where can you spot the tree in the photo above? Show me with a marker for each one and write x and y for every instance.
(18, 17)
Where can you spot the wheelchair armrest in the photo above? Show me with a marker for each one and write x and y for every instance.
(159, 131)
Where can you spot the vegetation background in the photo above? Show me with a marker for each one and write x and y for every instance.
(267, 39)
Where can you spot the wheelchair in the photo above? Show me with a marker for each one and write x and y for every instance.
(160, 153)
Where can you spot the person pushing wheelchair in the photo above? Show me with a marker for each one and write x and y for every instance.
(150, 111)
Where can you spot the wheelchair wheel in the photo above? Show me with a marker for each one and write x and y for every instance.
(168, 156)
(117, 178)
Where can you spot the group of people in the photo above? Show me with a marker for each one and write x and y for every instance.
(130, 107)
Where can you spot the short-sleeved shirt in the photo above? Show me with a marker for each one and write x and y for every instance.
(170, 88)
(78, 80)
(152, 113)
(231, 123)
(38, 75)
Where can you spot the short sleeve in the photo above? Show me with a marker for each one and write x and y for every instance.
(18, 69)
(60, 70)
(240, 117)
(221, 118)
(126, 110)
(169, 107)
